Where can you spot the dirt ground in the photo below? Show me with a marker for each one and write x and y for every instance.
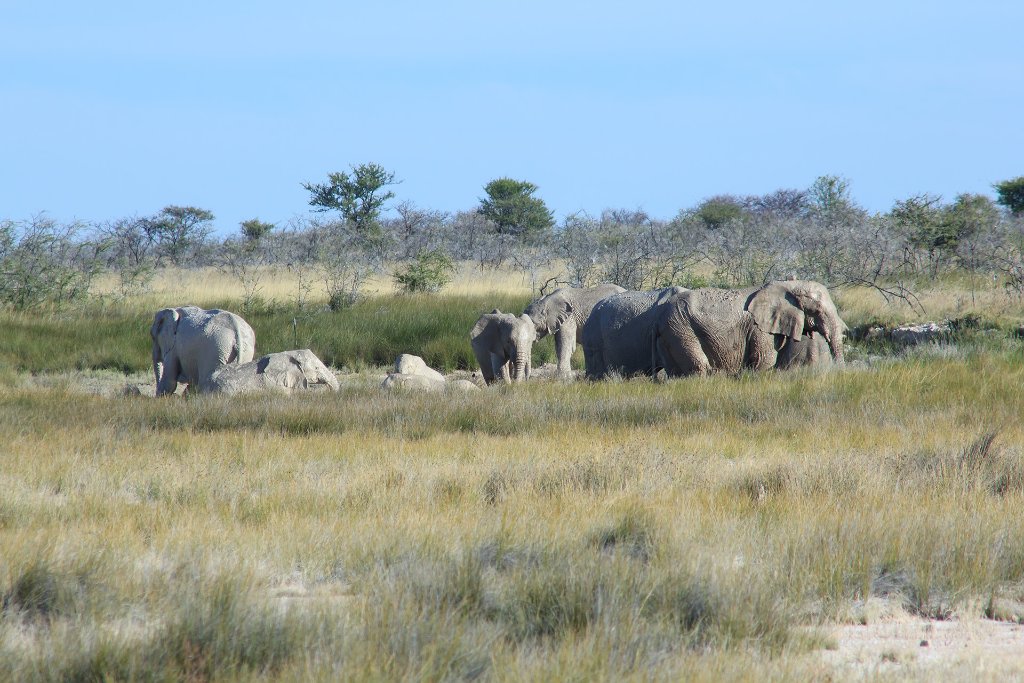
(902, 647)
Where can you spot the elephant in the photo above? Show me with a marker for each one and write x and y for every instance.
(564, 313)
(617, 336)
(722, 330)
(284, 371)
(190, 344)
(501, 340)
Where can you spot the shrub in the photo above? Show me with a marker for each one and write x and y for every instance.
(431, 271)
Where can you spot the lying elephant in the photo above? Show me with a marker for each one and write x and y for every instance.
(285, 371)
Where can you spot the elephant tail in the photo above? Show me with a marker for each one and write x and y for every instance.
(242, 350)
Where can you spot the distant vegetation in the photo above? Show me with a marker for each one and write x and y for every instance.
(818, 233)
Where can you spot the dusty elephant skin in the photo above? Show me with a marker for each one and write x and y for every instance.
(405, 381)
(408, 364)
(564, 313)
(503, 344)
(811, 351)
(617, 337)
(190, 344)
(722, 330)
(286, 371)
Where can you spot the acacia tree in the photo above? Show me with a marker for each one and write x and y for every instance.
(358, 197)
(253, 230)
(513, 209)
(246, 258)
(179, 231)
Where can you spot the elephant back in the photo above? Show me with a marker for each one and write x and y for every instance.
(617, 337)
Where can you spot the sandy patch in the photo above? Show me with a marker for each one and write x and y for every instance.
(911, 647)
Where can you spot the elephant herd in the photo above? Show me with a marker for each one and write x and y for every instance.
(782, 324)
(680, 331)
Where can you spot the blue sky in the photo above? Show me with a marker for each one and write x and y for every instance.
(114, 109)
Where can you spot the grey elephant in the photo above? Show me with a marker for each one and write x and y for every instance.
(721, 330)
(618, 335)
(502, 343)
(564, 313)
(190, 344)
(284, 371)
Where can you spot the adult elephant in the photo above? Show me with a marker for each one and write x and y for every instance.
(617, 336)
(722, 330)
(564, 314)
(190, 344)
(500, 341)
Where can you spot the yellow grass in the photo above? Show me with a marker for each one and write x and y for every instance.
(701, 529)
(278, 283)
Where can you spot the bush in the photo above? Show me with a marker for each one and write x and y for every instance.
(43, 262)
(431, 271)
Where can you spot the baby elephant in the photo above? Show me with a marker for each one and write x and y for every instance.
(500, 340)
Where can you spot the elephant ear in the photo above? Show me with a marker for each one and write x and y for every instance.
(165, 322)
(776, 311)
(564, 312)
(496, 312)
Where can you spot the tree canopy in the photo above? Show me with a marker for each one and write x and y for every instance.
(1011, 195)
(513, 209)
(358, 197)
(178, 229)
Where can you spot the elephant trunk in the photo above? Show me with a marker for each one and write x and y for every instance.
(834, 337)
(521, 362)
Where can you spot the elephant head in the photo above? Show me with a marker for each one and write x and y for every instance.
(563, 313)
(162, 331)
(793, 308)
(503, 343)
(190, 344)
(550, 313)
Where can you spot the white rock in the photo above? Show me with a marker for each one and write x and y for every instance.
(918, 334)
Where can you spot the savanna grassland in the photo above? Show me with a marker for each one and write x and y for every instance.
(702, 528)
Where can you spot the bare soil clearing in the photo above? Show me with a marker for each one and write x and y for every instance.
(904, 646)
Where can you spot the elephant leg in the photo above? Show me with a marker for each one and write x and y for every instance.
(499, 366)
(483, 358)
(761, 352)
(658, 362)
(684, 351)
(565, 344)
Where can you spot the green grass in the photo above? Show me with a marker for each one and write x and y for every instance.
(371, 333)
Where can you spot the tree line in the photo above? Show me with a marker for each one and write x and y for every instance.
(818, 233)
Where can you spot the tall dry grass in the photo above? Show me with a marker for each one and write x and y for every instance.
(554, 531)
(700, 529)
